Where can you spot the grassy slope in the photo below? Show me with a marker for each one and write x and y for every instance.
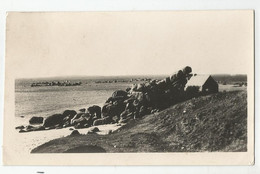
(209, 123)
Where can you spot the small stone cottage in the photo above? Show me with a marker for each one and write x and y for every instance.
(205, 83)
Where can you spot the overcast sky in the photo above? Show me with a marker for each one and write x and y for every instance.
(125, 43)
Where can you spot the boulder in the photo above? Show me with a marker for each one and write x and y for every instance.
(29, 127)
(20, 127)
(36, 120)
(109, 100)
(21, 131)
(109, 132)
(66, 124)
(161, 85)
(114, 109)
(140, 87)
(168, 80)
(142, 111)
(69, 113)
(85, 120)
(38, 128)
(133, 87)
(127, 115)
(186, 70)
(94, 129)
(82, 120)
(118, 99)
(147, 86)
(128, 89)
(98, 122)
(153, 82)
(82, 110)
(173, 78)
(180, 74)
(101, 121)
(129, 100)
(108, 120)
(81, 125)
(177, 76)
(94, 110)
(77, 116)
(75, 133)
(54, 120)
(139, 96)
(119, 93)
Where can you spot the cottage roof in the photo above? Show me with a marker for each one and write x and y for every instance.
(197, 80)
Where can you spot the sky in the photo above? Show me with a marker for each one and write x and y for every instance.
(128, 43)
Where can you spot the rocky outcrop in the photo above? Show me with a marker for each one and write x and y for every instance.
(145, 98)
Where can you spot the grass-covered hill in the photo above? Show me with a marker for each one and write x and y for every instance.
(216, 122)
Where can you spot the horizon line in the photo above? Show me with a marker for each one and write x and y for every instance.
(73, 76)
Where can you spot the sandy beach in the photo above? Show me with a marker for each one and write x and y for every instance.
(25, 142)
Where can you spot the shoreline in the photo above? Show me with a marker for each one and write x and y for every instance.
(24, 121)
(30, 140)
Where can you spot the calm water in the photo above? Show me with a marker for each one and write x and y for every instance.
(42, 101)
(47, 100)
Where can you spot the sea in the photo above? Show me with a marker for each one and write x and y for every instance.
(44, 101)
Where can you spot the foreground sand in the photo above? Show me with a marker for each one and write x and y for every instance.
(28, 141)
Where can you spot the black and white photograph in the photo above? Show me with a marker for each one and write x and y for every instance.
(148, 85)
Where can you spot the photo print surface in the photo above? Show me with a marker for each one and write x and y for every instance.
(163, 87)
